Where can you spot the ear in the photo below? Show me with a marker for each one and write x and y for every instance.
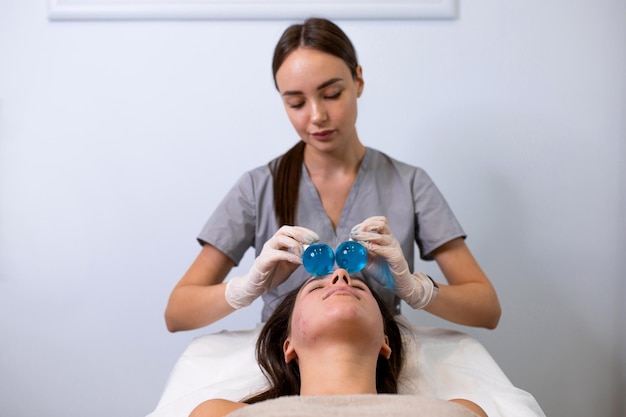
(385, 349)
(289, 351)
(360, 83)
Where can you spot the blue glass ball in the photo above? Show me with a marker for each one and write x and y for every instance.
(351, 256)
(318, 259)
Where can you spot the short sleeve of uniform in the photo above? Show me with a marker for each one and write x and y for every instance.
(231, 227)
(435, 223)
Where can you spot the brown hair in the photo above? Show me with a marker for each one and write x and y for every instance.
(284, 378)
(322, 35)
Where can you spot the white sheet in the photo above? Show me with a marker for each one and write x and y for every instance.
(440, 363)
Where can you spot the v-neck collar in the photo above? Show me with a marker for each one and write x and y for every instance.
(315, 200)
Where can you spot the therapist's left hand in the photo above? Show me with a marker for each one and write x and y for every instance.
(417, 289)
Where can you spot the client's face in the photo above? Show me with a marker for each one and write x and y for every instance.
(336, 307)
(337, 293)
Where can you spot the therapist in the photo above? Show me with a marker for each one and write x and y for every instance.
(329, 188)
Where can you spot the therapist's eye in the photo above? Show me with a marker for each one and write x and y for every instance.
(333, 95)
(295, 104)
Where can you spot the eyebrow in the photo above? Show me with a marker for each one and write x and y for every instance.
(319, 87)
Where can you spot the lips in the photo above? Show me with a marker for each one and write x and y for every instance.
(322, 134)
(342, 291)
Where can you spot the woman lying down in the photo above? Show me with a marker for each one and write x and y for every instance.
(331, 348)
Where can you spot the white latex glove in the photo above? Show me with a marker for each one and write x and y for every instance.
(385, 257)
(280, 256)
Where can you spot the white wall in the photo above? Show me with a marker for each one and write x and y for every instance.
(117, 139)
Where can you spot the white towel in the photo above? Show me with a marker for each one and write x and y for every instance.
(366, 405)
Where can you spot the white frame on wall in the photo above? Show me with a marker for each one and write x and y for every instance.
(250, 9)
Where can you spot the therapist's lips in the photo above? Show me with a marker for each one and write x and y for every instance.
(323, 134)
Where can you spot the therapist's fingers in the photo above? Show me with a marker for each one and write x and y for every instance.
(300, 234)
(285, 248)
(291, 239)
(374, 230)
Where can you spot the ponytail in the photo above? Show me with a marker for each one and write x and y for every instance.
(286, 179)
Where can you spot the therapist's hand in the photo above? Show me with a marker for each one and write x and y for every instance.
(387, 263)
(280, 256)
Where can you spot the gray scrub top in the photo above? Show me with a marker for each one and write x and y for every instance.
(415, 209)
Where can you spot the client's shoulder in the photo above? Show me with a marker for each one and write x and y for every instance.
(216, 408)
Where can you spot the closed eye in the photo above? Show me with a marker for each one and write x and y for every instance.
(359, 284)
(313, 284)
(315, 287)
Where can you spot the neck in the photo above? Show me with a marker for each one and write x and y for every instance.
(338, 370)
(344, 161)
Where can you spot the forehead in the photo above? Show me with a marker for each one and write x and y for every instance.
(306, 65)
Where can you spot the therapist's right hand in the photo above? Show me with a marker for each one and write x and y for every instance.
(280, 256)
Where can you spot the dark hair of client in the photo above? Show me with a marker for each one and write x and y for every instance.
(284, 378)
(324, 36)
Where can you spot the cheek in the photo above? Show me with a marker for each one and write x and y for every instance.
(350, 113)
(343, 113)
(376, 317)
(306, 322)
(297, 119)
(300, 323)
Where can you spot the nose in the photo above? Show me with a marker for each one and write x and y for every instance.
(318, 114)
(340, 277)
